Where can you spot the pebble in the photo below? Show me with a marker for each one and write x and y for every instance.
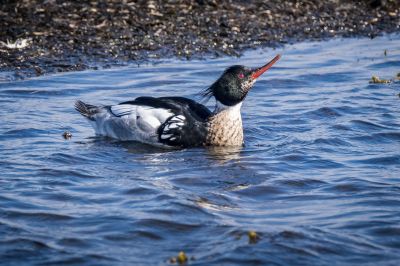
(67, 135)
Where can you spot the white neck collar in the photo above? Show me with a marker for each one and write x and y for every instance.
(221, 107)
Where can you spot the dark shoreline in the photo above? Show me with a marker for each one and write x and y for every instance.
(69, 36)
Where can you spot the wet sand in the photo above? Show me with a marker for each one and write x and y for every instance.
(58, 36)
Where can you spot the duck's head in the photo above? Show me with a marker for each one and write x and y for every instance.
(236, 81)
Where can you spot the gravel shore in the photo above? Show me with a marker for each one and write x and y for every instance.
(38, 37)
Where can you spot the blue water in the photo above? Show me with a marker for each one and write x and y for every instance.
(318, 179)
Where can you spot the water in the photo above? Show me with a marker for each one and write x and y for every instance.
(318, 179)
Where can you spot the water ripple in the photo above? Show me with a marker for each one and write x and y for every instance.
(318, 177)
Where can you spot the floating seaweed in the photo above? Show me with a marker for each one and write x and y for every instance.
(376, 79)
(181, 258)
(253, 237)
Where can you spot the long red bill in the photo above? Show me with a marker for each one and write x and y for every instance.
(259, 71)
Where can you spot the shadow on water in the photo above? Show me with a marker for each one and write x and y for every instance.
(318, 178)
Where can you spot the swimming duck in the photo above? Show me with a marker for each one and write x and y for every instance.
(178, 121)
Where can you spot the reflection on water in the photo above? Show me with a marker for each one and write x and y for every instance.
(224, 154)
(318, 178)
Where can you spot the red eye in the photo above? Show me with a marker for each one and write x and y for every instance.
(241, 75)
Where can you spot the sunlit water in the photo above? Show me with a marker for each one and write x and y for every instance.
(318, 179)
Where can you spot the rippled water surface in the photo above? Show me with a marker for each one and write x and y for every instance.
(318, 179)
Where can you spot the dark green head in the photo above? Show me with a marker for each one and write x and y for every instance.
(236, 81)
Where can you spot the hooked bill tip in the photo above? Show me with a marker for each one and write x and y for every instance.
(259, 71)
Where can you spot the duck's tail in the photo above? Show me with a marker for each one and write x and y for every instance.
(87, 110)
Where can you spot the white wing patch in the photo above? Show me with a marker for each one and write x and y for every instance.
(166, 136)
(133, 122)
(153, 116)
(123, 109)
(171, 127)
(175, 122)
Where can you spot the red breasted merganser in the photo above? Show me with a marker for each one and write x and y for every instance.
(178, 121)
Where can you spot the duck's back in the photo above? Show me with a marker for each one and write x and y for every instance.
(167, 121)
(186, 127)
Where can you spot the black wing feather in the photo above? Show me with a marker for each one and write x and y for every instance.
(176, 104)
(188, 132)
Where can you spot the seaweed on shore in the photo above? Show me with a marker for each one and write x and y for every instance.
(76, 35)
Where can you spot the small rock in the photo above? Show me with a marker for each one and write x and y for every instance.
(67, 135)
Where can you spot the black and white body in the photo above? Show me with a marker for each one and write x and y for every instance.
(178, 121)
